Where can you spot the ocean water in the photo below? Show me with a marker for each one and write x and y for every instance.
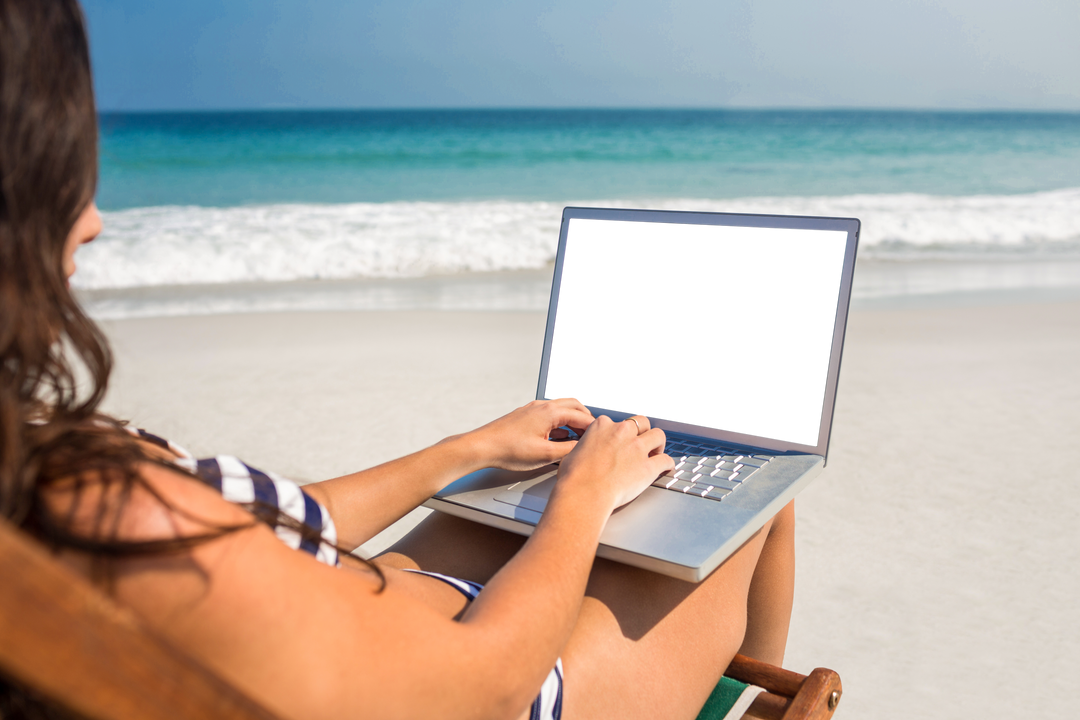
(202, 200)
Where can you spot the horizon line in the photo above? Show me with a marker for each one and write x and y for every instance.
(602, 108)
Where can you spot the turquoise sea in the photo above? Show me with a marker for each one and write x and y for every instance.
(228, 159)
(197, 199)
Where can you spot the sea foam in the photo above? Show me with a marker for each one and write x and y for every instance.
(173, 245)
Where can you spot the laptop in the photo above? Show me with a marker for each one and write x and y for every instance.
(726, 331)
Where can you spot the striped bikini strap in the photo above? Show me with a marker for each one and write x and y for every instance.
(466, 587)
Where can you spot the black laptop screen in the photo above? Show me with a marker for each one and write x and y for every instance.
(716, 326)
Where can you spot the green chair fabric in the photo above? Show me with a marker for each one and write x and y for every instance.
(729, 700)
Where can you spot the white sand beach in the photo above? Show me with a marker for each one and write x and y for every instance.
(937, 552)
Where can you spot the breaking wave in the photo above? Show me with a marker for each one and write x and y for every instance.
(172, 245)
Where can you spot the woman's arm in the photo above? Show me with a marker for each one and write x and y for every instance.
(364, 503)
(544, 584)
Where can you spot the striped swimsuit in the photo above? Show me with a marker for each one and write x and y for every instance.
(240, 483)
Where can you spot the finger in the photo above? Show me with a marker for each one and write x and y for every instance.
(574, 417)
(559, 450)
(654, 439)
(579, 430)
(571, 402)
(660, 464)
(639, 423)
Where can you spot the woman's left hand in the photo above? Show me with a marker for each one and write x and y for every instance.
(520, 440)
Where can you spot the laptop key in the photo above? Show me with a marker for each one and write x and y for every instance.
(723, 483)
(717, 493)
(671, 482)
(679, 485)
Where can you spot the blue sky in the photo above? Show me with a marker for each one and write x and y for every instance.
(230, 54)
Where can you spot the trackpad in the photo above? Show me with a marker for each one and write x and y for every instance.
(530, 494)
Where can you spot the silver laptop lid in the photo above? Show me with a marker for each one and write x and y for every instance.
(720, 325)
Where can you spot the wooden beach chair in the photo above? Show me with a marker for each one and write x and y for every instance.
(73, 646)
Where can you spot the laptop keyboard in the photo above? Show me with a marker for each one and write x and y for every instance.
(711, 471)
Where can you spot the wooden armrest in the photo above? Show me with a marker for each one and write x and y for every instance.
(789, 695)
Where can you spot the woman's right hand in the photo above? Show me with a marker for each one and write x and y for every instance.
(616, 460)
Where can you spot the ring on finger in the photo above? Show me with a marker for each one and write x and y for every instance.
(634, 420)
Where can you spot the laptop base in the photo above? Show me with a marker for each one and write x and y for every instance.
(662, 531)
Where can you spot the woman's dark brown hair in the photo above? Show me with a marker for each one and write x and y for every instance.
(50, 427)
(48, 174)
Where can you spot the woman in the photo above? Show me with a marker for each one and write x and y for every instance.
(241, 569)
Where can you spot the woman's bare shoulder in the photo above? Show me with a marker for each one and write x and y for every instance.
(159, 504)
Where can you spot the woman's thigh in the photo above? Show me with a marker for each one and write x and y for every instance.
(648, 646)
(644, 646)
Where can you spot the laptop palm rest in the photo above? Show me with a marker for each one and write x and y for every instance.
(529, 497)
